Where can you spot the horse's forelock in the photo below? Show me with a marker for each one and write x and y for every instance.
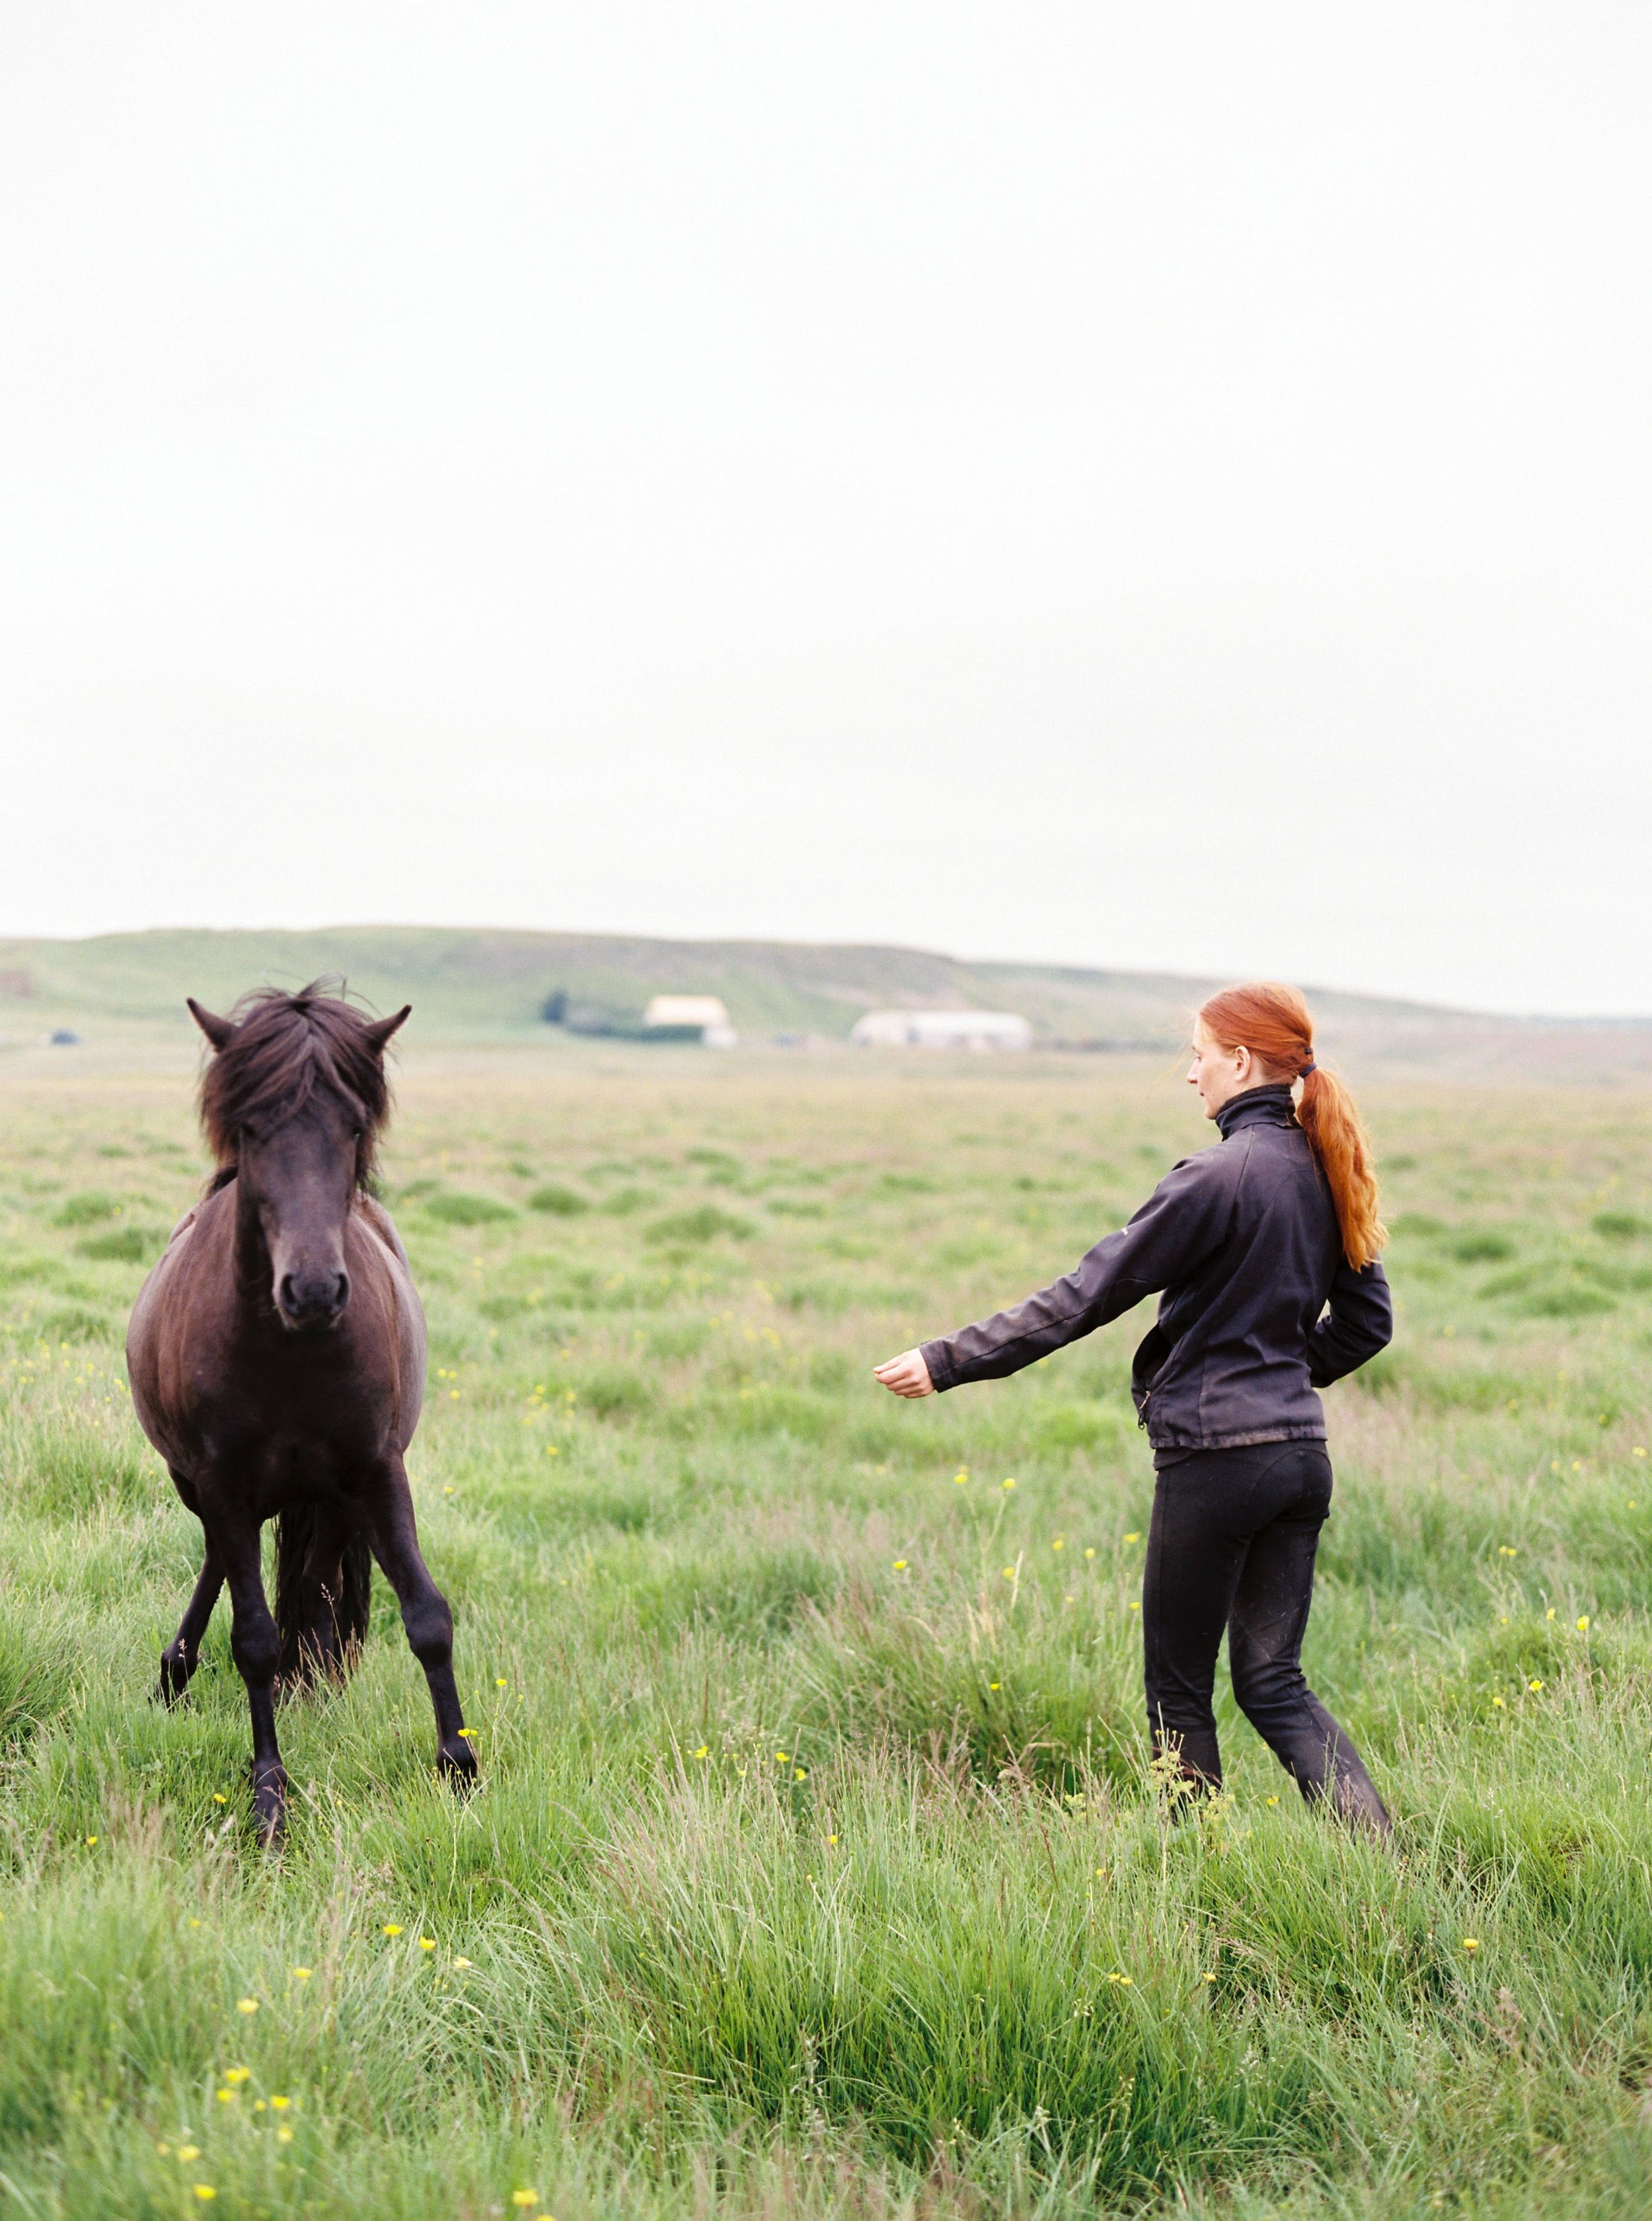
(282, 1049)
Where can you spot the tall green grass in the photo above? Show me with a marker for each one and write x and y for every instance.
(816, 1868)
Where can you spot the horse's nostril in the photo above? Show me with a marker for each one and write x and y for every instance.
(312, 1298)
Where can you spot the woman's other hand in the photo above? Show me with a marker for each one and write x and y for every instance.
(905, 1376)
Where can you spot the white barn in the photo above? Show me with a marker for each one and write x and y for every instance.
(973, 1029)
(705, 1012)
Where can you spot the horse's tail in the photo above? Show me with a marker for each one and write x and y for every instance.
(320, 1632)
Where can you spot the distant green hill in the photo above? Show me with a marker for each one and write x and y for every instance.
(470, 984)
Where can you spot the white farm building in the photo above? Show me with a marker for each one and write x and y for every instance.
(976, 1030)
(683, 1012)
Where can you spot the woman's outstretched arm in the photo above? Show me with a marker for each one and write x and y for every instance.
(1185, 1218)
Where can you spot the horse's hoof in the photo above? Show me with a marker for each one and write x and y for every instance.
(456, 1763)
(270, 1807)
(174, 1681)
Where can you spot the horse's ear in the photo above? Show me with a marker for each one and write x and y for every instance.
(380, 1034)
(217, 1030)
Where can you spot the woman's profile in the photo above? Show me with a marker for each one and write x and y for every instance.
(1263, 1250)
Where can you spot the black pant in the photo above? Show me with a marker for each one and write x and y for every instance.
(1232, 1545)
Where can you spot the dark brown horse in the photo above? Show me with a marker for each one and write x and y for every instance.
(277, 1360)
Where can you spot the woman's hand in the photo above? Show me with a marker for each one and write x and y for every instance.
(905, 1376)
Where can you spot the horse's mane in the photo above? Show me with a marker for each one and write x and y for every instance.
(284, 1047)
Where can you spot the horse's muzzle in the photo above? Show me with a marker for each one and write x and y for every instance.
(308, 1302)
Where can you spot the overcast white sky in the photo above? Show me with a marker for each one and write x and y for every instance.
(1163, 487)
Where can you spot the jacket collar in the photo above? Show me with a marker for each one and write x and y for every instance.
(1272, 1105)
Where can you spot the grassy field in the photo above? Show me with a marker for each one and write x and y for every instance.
(815, 1870)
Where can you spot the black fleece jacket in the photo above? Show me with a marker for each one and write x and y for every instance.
(1259, 1307)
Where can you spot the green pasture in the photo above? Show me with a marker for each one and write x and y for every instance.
(816, 1868)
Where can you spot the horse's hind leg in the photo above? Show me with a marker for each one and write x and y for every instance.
(430, 1624)
(182, 1654)
(310, 1590)
(255, 1644)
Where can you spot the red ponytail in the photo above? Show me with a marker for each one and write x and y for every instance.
(1274, 1024)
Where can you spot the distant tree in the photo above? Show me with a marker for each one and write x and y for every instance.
(556, 1007)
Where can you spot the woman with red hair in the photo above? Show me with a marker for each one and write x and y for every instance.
(1265, 1248)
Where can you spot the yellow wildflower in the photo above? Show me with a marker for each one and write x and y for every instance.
(246, 2004)
(187, 2152)
(1471, 1942)
(279, 2102)
(301, 1973)
(237, 2074)
(204, 2191)
(392, 1928)
(426, 1943)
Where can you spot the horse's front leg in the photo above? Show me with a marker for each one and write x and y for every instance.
(394, 1536)
(182, 1654)
(255, 1646)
